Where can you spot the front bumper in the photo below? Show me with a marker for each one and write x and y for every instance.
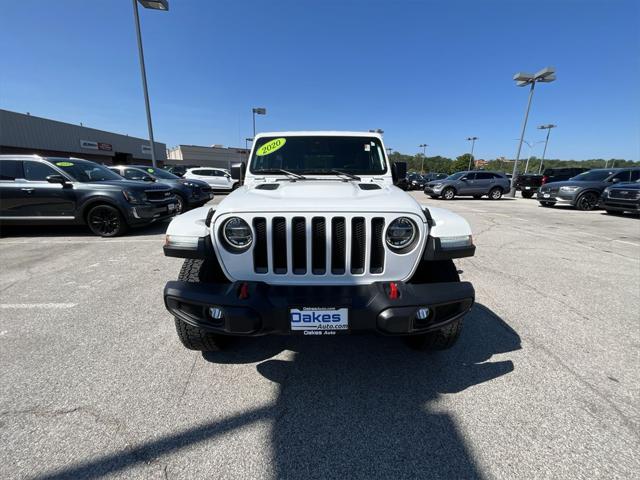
(200, 198)
(620, 205)
(432, 191)
(266, 308)
(150, 212)
(557, 198)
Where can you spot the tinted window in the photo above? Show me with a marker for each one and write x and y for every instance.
(456, 176)
(10, 169)
(36, 171)
(158, 172)
(85, 171)
(484, 176)
(470, 176)
(635, 175)
(623, 176)
(593, 176)
(199, 172)
(133, 174)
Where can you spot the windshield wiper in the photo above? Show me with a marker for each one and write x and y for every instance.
(346, 174)
(291, 175)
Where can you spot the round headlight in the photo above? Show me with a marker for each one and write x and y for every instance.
(237, 233)
(401, 233)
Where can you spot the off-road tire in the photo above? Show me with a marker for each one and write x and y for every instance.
(527, 194)
(194, 338)
(495, 193)
(448, 193)
(441, 339)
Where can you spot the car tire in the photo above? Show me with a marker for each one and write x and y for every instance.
(106, 221)
(448, 193)
(587, 201)
(495, 193)
(527, 194)
(194, 338)
(181, 204)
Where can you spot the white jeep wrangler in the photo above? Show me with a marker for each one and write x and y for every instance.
(318, 241)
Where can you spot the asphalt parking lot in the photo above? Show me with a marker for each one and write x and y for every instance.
(543, 383)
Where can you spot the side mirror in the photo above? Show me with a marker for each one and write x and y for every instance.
(615, 180)
(398, 172)
(238, 171)
(147, 178)
(57, 179)
(463, 179)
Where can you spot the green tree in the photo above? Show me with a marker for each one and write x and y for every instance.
(460, 163)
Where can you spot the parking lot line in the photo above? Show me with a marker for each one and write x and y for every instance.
(37, 305)
(628, 243)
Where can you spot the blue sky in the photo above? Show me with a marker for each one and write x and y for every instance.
(424, 71)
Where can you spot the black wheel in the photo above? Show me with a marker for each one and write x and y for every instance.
(448, 193)
(495, 193)
(194, 338)
(441, 339)
(477, 197)
(587, 201)
(547, 204)
(436, 272)
(527, 194)
(106, 221)
(181, 204)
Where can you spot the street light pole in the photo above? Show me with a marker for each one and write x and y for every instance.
(545, 75)
(546, 142)
(473, 144)
(159, 5)
(258, 111)
(424, 154)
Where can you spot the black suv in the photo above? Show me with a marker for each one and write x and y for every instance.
(62, 191)
(583, 191)
(622, 197)
(190, 193)
(561, 173)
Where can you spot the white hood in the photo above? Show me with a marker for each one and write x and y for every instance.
(319, 196)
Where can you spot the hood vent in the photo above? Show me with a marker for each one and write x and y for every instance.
(369, 186)
(268, 186)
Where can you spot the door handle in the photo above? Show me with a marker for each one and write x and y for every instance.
(28, 190)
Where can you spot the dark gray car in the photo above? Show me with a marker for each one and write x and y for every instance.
(470, 184)
(583, 191)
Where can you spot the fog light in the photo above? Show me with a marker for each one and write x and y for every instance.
(215, 312)
(422, 313)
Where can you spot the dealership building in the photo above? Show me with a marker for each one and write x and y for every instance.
(215, 156)
(27, 134)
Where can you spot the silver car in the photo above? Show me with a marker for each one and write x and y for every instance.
(470, 184)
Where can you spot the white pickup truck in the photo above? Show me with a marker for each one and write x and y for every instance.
(318, 241)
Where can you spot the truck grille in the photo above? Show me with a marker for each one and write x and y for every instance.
(158, 195)
(299, 245)
(626, 194)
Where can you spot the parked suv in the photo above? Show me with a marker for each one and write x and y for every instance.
(189, 193)
(562, 173)
(583, 191)
(319, 241)
(473, 184)
(218, 178)
(622, 197)
(61, 191)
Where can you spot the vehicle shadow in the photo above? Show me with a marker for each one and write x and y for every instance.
(157, 228)
(349, 407)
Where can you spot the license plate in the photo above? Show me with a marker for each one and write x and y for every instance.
(527, 188)
(319, 320)
(171, 207)
(546, 195)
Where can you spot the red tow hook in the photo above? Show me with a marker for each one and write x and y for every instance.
(243, 293)
(393, 291)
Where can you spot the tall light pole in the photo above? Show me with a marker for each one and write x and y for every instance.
(546, 142)
(473, 144)
(424, 154)
(154, 5)
(257, 111)
(546, 75)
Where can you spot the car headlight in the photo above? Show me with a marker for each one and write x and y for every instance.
(401, 233)
(237, 233)
(437, 185)
(134, 198)
(569, 189)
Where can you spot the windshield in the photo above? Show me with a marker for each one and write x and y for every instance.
(592, 176)
(84, 171)
(456, 176)
(159, 173)
(319, 155)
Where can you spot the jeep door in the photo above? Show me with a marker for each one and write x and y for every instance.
(44, 199)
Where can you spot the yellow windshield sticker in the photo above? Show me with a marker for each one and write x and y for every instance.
(271, 146)
(64, 164)
(150, 170)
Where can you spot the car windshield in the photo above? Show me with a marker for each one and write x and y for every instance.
(592, 176)
(159, 173)
(85, 171)
(319, 155)
(456, 176)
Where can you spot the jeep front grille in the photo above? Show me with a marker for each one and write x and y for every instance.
(307, 240)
